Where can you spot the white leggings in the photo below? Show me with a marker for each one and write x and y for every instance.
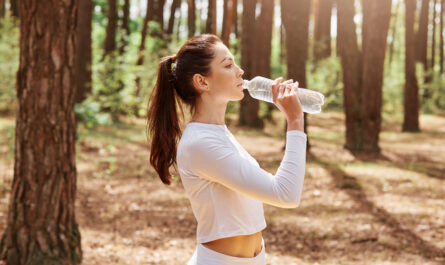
(206, 256)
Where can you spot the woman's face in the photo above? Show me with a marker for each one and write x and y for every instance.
(225, 81)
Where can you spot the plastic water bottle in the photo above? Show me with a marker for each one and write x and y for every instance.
(261, 88)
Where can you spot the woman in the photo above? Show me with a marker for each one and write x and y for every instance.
(225, 185)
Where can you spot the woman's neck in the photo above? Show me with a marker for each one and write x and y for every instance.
(209, 113)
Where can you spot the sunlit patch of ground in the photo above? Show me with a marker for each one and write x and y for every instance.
(386, 209)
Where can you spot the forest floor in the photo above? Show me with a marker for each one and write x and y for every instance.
(355, 209)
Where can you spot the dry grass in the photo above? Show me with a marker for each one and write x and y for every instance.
(385, 209)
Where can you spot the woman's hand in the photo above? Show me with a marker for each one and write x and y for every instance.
(286, 99)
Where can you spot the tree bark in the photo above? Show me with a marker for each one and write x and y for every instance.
(191, 18)
(295, 16)
(433, 37)
(158, 15)
(227, 21)
(41, 226)
(141, 50)
(171, 21)
(125, 26)
(422, 34)
(376, 17)
(322, 29)
(2, 8)
(351, 62)
(110, 39)
(442, 16)
(14, 6)
(211, 17)
(235, 19)
(83, 59)
(393, 32)
(249, 106)
(411, 95)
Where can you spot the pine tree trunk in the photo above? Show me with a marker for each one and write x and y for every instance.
(171, 21)
(249, 107)
(141, 53)
(422, 34)
(235, 18)
(442, 16)
(211, 17)
(295, 16)
(2, 8)
(110, 39)
(411, 95)
(125, 26)
(158, 16)
(41, 227)
(376, 17)
(322, 29)
(393, 32)
(83, 59)
(14, 6)
(227, 21)
(433, 37)
(351, 62)
(191, 18)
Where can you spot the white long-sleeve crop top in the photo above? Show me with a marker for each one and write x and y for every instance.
(227, 187)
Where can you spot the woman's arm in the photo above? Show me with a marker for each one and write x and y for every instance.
(215, 160)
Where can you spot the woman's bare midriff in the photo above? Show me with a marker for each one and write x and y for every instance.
(245, 246)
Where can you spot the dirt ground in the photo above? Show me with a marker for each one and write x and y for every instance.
(385, 209)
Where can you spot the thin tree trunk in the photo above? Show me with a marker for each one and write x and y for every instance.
(351, 62)
(211, 17)
(442, 16)
(227, 21)
(2, 8)
(171, 21)
(433, 37)
(235, 18)
(125, 27)
(249, 106)
(376, 17)
(110, 39)
(191, 18)
(295, 16)
(178, 26)
(141, 53)
(422, 34)
(83, 59)
(393, 32)
(411, 95)
(14, 6)
(322, 29)
(41, 224)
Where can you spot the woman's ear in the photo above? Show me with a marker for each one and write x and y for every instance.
(200, 83)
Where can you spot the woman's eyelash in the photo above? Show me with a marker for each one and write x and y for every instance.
(228, 65)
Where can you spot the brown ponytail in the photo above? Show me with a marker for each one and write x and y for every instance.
(173, 84)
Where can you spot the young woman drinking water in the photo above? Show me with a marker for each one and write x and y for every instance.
(225, 185)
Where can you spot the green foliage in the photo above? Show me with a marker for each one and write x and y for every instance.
(9, 62)
(325, 77)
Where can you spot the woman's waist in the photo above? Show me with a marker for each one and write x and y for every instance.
(243, 246)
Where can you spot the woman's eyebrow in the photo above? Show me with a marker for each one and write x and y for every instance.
(230, 58)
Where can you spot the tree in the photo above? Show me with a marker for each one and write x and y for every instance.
(125, 26)
(442, 15)
(422, 34)
(229, 5)
(110, 39)
(41, 227)
(411, 95)
(171, 21)
(14, 6)
(2, 8)
(363, 71)
(191, 18)
(211, 17)
(295, 17)
(158, 16)
(322, 29)
(83, 59)
(248, 113)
